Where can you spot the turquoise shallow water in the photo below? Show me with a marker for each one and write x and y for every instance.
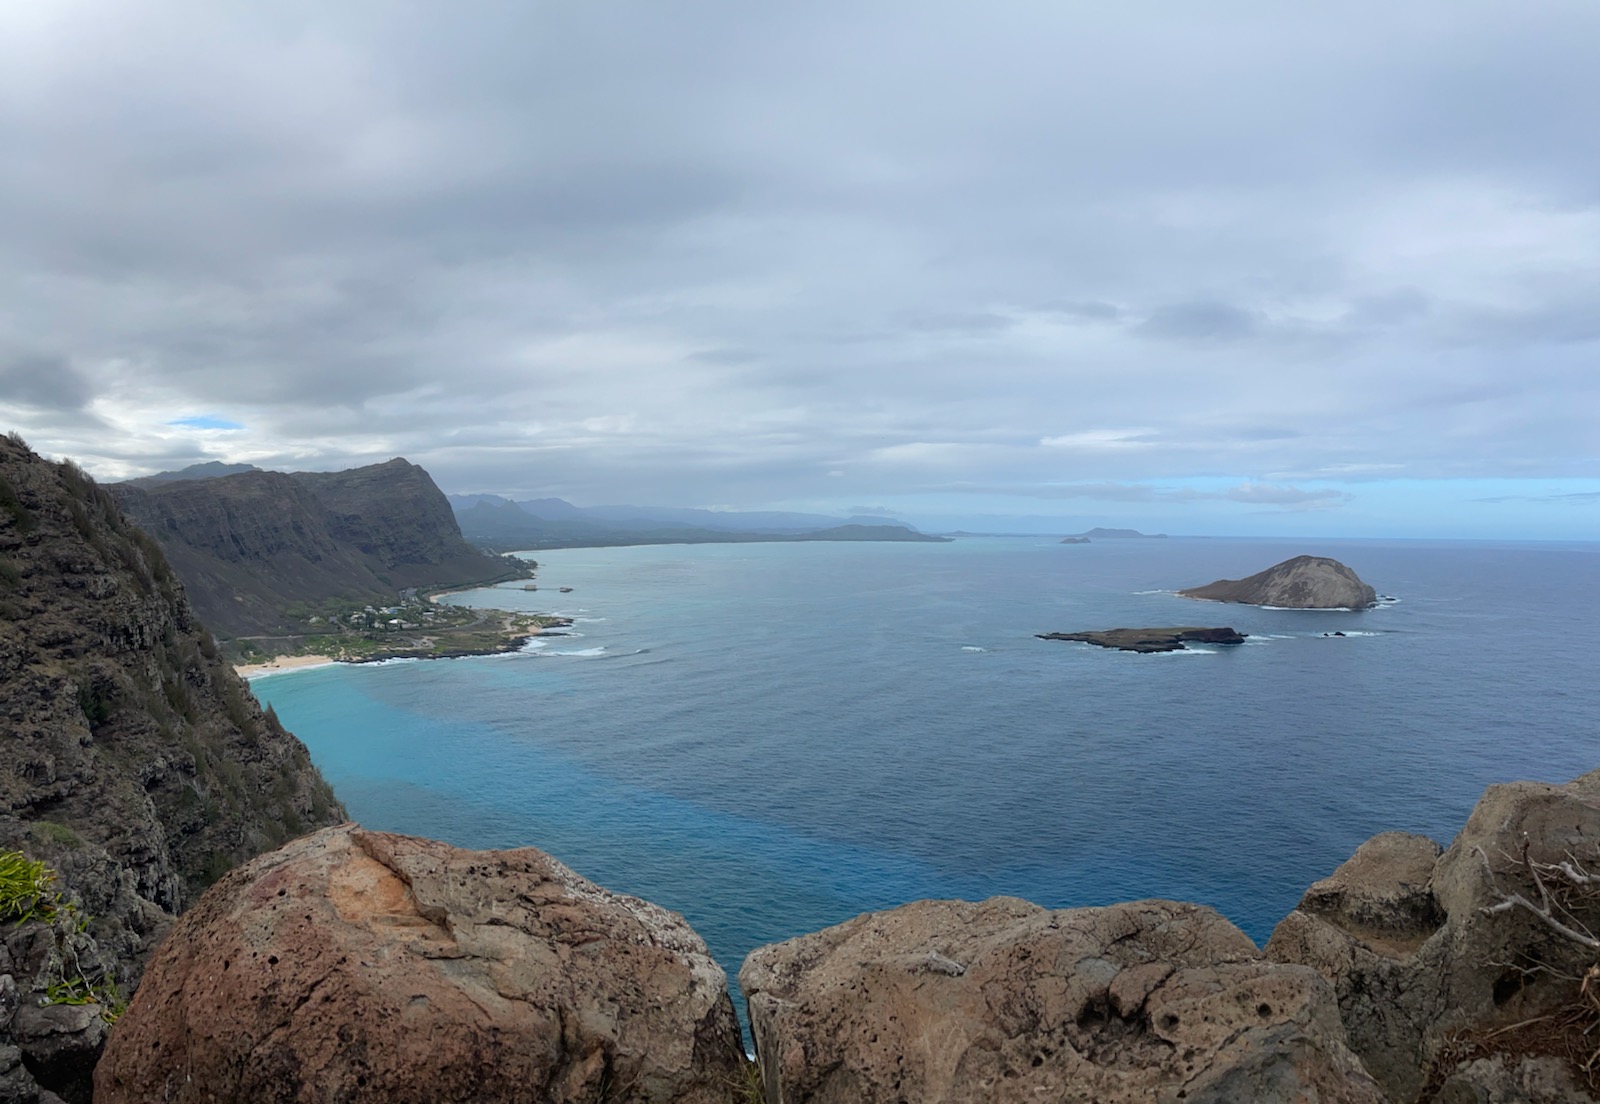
(773, 738)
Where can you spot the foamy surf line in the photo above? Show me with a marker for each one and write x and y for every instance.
(250, 674)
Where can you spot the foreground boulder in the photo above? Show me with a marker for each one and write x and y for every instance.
(1442, 999)
(1304, 582)
(945, 1001)
(360, 966)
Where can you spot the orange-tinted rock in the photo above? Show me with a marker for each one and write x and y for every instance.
(359, 966)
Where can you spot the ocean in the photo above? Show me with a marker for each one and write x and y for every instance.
(773, 738)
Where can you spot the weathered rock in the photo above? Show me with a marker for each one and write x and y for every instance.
(1383, 893)
(944, 1001)
(1152, 640)
(358, 966)
(1425, 978)
(1496, 1080)
(1304, 582)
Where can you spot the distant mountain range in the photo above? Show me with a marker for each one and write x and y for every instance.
(498, 522)
(1114, 534)
(213, 469)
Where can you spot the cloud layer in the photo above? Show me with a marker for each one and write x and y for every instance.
(727, 254)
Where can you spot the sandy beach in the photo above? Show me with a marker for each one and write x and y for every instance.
(283, 663)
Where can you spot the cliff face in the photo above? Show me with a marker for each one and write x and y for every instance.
(397, 517)
(1304, 582)
(133, 760)
(247, 545)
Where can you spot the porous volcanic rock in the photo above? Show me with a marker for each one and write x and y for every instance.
(945, 1001)
(359, 966)
(1304, 582)
(1426, 979)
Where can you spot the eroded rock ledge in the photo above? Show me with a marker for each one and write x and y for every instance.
(355, 966)
(945, 1001)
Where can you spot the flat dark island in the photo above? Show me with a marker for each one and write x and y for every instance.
(1151, 640)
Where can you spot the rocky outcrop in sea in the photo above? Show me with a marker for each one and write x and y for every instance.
(1304, 582)
(1173, 639)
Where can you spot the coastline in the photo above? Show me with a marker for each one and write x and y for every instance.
(279, 664)
(513, 639)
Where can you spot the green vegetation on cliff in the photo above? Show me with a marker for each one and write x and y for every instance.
(144, 761)
(133, 761)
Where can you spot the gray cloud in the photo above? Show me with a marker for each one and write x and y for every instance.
(715, 252)
(45, 382)
(1198, 321)
(1268, 494)
(1088, 310)
(1286, 497)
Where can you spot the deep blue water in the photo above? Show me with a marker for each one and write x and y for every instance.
(773, 738)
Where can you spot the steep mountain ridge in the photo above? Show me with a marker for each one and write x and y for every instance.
(248, 545)
(396, 516)
(135, 761)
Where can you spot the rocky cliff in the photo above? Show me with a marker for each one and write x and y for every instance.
(134, 761)
(1304, 582)
(248, 545)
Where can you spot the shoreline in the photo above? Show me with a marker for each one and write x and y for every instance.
(280, 664)
(515, 640)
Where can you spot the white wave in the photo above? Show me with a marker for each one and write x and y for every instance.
(582, 652)
(253, 675)
(1153, 591)
(1311, 609)
(972, 648)
(1352, 632)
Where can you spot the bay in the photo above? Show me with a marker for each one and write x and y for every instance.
(773, 738)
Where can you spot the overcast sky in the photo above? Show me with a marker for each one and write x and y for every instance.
(1223, 267)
